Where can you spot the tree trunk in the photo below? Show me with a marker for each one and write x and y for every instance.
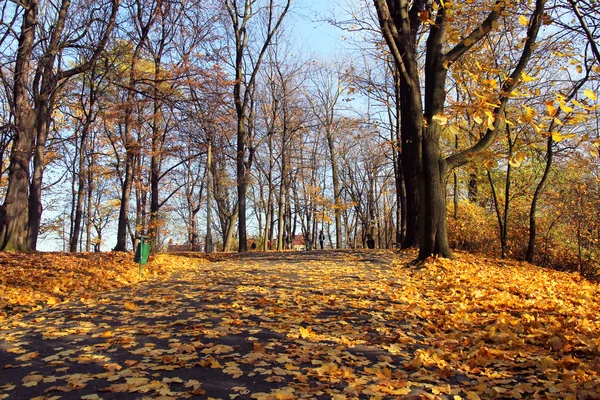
(209, 240)
(336, 189)
(90, 192)
(80, 191)
(14, 215)
(82, 174)
(39, 163)
(434, 239)
(242, 183)
(156, 155)
(228, 239)
(411, 132)
(125, 197)
(535, 199)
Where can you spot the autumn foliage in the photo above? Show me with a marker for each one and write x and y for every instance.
(30, 281)
(340, 325)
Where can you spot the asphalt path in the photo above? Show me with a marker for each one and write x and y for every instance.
(264, 326)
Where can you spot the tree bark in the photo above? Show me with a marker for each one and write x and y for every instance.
(14, 215)
(336, 189)
(209, 240)
(33, 107)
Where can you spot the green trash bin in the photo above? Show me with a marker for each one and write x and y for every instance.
(141, 253)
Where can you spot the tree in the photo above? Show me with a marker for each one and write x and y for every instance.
(400, 22)
(328, 87)
(247, 65)
(35, 85)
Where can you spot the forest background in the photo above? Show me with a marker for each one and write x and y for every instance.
(164, 118)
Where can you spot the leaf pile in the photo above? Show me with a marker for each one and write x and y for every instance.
(330, 325)
(30, 281)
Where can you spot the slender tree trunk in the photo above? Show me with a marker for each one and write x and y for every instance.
(155, 166)
(269, 207)
(455, 189)
(534, 201)
(280, 217)
(90, 193)
(82, 173)
(336, 189)
(81, 178)
(39, 163)
(498, 214)
(125, 197)
(504, 237)
(209, 240)
(241, 182)
(228, 239)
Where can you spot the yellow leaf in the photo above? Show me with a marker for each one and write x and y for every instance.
(130, 306)
(490, 164)
(565, 108)
(551, 108)
(520, 156)
(557, 137)
(590, 95)
(527, 78)
(514, 162)
(490, 120)
(440, 119)
(473, 396)
(305, 332)
(523, 20)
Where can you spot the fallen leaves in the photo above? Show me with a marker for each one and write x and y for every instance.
(345, 325)
(30, 281)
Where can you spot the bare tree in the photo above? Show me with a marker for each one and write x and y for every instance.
(247, 62)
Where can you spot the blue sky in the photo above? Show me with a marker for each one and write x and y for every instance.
(311, 29)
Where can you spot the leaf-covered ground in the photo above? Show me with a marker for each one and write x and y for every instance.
(30, 281)
(331, 325)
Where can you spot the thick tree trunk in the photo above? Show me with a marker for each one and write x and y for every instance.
(411, 132)
(14, 215)
(434, 235)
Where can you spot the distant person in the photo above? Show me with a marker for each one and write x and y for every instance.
(253, 246)
(321, 240)
(371, 242)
